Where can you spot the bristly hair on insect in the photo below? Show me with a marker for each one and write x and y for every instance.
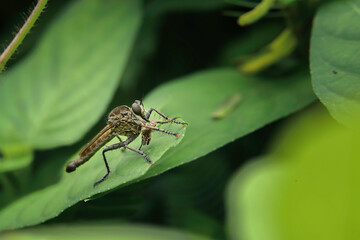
(128, 122)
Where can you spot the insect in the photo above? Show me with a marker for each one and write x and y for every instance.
(226, 107)
(123, 121)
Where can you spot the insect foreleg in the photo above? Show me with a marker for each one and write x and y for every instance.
(161, 130)
(163, 122)
(164, 116)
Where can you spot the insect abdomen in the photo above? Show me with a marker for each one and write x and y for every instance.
(104, 136)
(90, 150)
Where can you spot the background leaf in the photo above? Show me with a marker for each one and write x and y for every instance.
(101, 230)
(307, 188)
(63, 87)
(335, 61)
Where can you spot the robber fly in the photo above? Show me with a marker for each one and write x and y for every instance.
(123, 121)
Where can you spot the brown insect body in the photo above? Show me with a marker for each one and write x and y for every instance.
(123, 121)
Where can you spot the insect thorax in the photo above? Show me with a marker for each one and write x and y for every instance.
(128, 128)
(125, 121)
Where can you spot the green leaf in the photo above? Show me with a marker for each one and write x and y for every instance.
(62, 88)
(334, 59)
(307, 188)
(72, 188)
(99, 231)
(192, 98)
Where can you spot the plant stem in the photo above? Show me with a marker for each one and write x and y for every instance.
(256, 13)
(9, 51)
(282, 46)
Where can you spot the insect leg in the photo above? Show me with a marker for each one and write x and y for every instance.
(145, 138)
(141, 153)
(162, 122)
(108, 148)
(164, 116)
(112, 147)
(123, 149)
(161, 130)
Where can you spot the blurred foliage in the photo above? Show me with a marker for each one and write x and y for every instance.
(101, 230)
(187, 59)
(307, 192)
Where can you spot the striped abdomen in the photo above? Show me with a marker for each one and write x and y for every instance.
(104, 136)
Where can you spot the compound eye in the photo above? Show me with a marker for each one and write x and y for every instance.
(136, 108)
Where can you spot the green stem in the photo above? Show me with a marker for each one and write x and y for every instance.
(256, 13)
(9, 51)
(281, 47)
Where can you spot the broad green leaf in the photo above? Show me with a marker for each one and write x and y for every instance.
(62, 88)
(99, 231)
(74, 187)
(193, 98)
(335, 61)
(307, 188)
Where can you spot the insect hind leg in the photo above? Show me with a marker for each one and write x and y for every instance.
(116, 146)
(108, 148)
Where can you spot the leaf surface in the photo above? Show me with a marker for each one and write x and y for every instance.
(197, 96)
(335, 61)
(193, 98)
(76, 186)
(62, 88)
